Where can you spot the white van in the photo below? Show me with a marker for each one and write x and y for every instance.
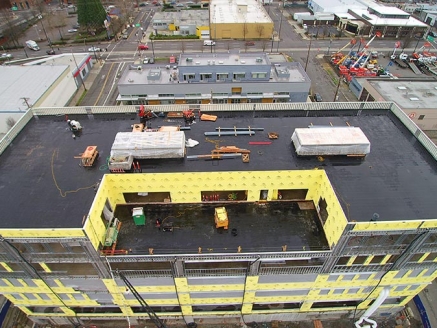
(208, 43)
(32, 45)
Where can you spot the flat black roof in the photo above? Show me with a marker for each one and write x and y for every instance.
(42, 184)
(273, 226)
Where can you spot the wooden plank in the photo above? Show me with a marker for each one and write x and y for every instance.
(175, 115)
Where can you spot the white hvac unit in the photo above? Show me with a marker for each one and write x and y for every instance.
(148, 145)
(324, 141)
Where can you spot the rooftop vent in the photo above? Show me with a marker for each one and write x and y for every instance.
(197, 63)
(259, 60)
(414, 99)
(220, 62)
(189, 60)
(243, 62)
(402, 88)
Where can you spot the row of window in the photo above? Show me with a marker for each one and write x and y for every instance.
(224, 76)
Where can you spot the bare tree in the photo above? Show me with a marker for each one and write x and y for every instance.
(245, 30)
(264, 45)
(9, 30)
(259, 30)
(10, 122)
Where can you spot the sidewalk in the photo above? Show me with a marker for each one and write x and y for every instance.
(92, 76)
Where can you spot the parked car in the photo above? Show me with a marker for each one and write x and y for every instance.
(318, 97)
(146, 60)
(124, 36)
(250, 43)
(152, 60)
(50, 52)
(144, 4)
(143, 47)
(76, 26)
(92, 49)
(189, 3)
(208, 43)
(6, 56)
(72, 30)
(180, 5)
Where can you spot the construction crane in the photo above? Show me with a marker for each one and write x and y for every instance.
(377, 34)
(144, 306)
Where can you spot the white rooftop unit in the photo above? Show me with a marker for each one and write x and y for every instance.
(322, 141)
(146, 145)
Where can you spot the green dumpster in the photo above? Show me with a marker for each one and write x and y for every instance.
(138, 216)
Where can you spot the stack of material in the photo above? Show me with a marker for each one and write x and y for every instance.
(206, 117)
(146, 145)
(322, 141)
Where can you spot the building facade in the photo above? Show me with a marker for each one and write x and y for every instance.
(215, 78)
(304, 239)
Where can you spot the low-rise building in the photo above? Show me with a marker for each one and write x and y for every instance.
(237, 19)
(417, 97)
(215, 78)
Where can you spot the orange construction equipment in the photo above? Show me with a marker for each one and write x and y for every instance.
(221, 218)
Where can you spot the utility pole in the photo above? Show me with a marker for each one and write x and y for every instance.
(77, 67)
(279, 32)
(309, 50)
(45, 33)
(336, 90)
(26, 101)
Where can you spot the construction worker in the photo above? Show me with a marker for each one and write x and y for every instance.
(144, 115)
(74, 125)
(188, 116)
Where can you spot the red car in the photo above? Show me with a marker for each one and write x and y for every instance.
(143, 47)
(250, 43)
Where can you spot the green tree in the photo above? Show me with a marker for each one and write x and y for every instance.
(91, 15)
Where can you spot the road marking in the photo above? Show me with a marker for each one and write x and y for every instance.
(113, 83)
(104, 84)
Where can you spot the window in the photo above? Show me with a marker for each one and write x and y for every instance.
(205, 76)
(421, 117)
(236, 91)
(282, 93)
(259, 75)
(165, 95)
(239, 76)
(195, 95)
(222, 76)
(189, 76)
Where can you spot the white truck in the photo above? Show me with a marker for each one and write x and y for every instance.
(32, 45)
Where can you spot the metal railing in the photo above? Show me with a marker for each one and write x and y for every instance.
(226, 272)
(15, 130)
(415, 130)
(144, 273)
(290, 270)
